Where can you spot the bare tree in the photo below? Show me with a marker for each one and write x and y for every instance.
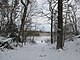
(60, 26)
(22, 31)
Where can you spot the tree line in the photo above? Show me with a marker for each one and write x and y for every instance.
(16, 19)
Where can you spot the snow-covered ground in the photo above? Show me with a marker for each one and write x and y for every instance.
(44, 51)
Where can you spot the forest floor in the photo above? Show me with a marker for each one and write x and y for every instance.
(44, 51)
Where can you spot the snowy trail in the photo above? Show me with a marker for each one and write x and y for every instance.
(30, 52)
(43, 51)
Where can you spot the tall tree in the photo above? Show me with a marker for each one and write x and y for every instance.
(22, 31)
(60, 26)
(51, 10)
(52, 5)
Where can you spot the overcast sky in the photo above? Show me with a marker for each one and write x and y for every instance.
(41, 21)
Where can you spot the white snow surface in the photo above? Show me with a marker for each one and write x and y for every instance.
(44, 51)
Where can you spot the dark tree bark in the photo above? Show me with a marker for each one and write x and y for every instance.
(60, 26)
(51, 11)
(52, 26)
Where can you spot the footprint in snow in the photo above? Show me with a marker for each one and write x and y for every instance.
(42, 55)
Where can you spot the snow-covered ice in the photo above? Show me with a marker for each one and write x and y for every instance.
(44, 51)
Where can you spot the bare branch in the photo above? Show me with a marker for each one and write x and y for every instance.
(23, 2)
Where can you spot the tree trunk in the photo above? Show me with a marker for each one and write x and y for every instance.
(22, 30)
(52, 26)
(60, 26)
(76, 33)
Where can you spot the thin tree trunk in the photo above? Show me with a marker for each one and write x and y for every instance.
(76, 33)
(52, 27)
